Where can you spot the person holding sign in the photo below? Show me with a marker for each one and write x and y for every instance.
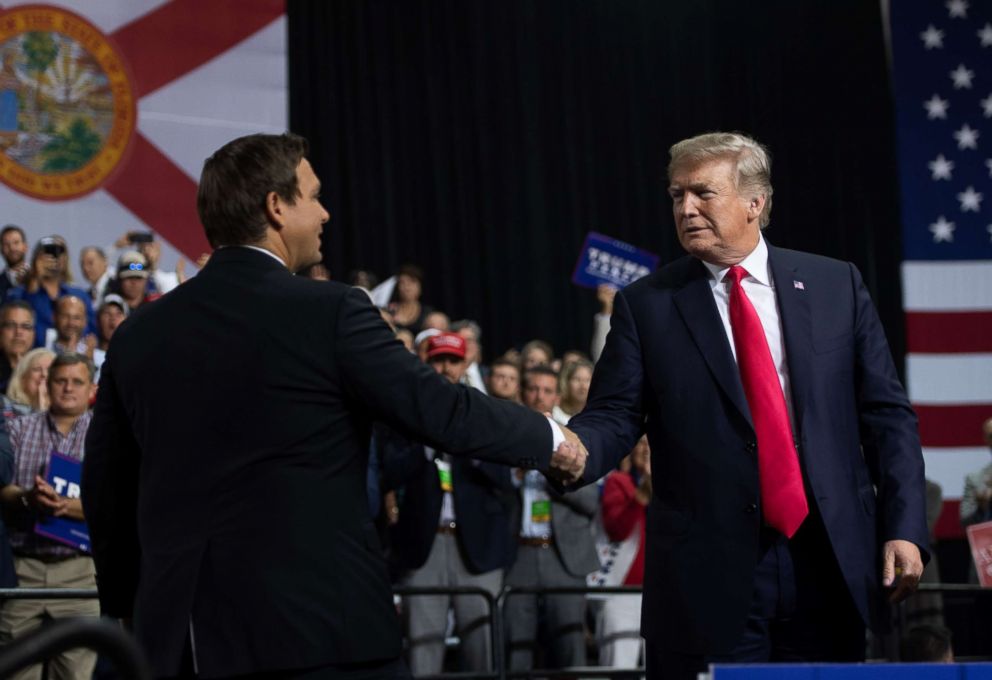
(788, 497)
(37, 499)
(453, 530)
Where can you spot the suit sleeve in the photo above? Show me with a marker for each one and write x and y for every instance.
(110, 500)
(889, 436)
(613, 419)
(389, 382)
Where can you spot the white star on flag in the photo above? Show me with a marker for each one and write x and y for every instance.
(936, 107)
(967, 137)
(932, 37)
(962, 77)
(940, 168)
(988, 164)
(942, 230)
(985, 35)
(970, 200)
(987, 106)
(957, 8)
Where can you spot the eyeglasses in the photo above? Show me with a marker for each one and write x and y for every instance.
(13, 326)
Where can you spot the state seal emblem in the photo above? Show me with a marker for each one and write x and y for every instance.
(67, 106)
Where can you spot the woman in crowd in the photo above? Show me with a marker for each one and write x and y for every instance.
(575, 379)
(405, 307)
(536, 353)
(29, 383)
(48, 279)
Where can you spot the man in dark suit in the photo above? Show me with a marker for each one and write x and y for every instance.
(452, 530)
(225, 476)
(788, 476)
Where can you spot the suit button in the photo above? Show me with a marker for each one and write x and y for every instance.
(751, 446)
(751, 508)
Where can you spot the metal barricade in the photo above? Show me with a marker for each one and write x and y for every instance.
(583, 672)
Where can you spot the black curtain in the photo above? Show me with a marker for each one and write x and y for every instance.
(482, 139)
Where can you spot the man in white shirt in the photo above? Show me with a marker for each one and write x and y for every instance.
(789, 496)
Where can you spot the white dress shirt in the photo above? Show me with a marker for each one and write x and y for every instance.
(760, 290)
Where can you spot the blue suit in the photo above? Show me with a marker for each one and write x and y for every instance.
(667, 369)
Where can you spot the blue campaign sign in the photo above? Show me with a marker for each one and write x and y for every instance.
(63, 475)
(607, 260)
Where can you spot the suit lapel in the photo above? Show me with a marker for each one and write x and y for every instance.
(794, 312)
(698, 309)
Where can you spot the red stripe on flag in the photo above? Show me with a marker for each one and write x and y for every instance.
(949, 522)
(181, 35)
(946, 332)
(952, 425)
(162, 196)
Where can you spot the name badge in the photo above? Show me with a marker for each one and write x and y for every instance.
(444, 474)
(540, 511)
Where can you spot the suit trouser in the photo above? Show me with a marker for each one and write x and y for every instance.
(427, 617)
(564, 615)
(801, 610)
(19, 617)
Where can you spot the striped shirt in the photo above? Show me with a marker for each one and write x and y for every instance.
(34, 438)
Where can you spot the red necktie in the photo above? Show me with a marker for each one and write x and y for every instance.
(783, 499)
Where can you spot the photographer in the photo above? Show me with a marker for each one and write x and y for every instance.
(144, 242)
(47, 280)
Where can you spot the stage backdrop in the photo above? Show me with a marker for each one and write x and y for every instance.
(108, 110)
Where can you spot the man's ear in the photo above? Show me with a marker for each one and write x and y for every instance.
(755, 206)
(274, 206)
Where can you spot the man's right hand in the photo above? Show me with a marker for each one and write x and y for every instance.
(569, 461)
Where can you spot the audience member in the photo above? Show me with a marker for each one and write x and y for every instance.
(406, 337)
(405, 306)
(555, 549)
(144, 242)
(438, 320)
(41, 562)
(29, 383)
(601, 322)
(625, 501)
(420, 342)
(536, 353)
(16, 337)
(504, 379)
(975, 505)
(93, 264)
(571, 356)
(132, 280)
(475, 374)
(47, 280)
(452, 530)
(8, 575)
(70, 325)
(113, 311)
(927, 644)
(14, 247)
(575, 381)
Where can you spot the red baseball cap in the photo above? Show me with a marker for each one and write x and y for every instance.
(446, 344)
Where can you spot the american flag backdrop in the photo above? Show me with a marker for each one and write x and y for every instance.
(942, 70)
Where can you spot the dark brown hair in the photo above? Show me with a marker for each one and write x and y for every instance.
(236, 180)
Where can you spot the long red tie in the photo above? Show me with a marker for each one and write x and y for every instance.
(783, 499)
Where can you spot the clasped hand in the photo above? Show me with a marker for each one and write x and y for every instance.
(569, 461)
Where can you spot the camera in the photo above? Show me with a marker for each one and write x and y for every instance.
(137, 237)
(53, 249)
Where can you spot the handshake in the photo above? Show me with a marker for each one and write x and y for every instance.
(569, 461)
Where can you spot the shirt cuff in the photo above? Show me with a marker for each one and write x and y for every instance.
(557, 436)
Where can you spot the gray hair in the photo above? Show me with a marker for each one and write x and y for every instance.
(753, 162)
(469, 324)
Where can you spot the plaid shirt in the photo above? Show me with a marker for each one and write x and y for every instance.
(33, 438)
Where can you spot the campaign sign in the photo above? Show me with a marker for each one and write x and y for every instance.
(64, 474)
(607, 260)
(980, 540)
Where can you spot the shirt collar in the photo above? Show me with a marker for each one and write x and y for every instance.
(756, 265)
(262, 250)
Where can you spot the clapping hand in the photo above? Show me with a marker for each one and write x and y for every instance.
(569, 461)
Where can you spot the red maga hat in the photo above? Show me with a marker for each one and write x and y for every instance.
(449, 344)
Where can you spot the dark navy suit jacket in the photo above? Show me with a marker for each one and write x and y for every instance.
(667, 369)
(482, 506)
